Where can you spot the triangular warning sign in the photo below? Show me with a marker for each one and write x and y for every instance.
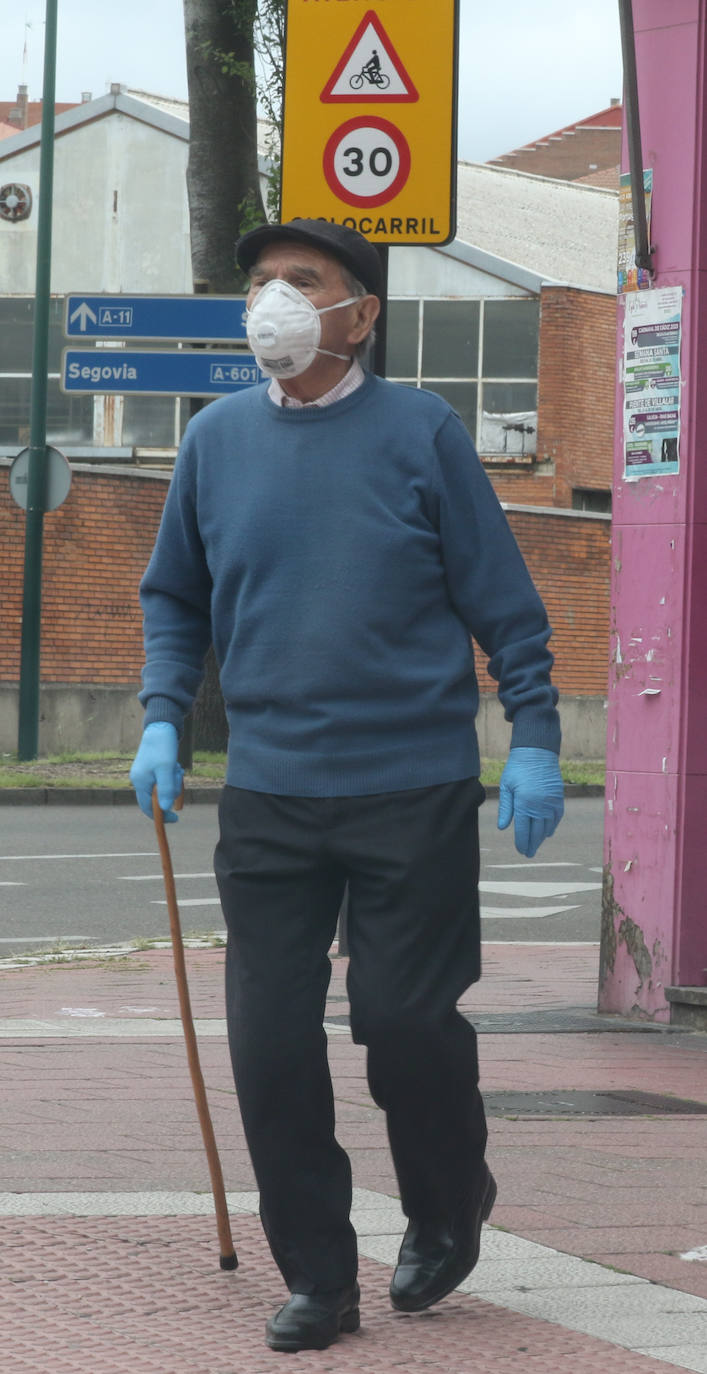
(369, 70)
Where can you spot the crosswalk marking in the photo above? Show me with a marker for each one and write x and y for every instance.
(154, 877)
(540, 864)
(522, 912)
(533, 889)
(192, 901)
(131, 854)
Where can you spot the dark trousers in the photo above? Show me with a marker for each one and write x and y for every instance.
(411, 860)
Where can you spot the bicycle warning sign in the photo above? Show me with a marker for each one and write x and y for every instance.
(370, 69)
(392, 178)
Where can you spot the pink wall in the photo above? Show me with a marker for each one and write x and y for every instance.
(654, 930)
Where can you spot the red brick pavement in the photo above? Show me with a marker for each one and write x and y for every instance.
(99, 1114)
(108, 1296)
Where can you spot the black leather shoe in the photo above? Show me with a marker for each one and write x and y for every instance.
(432, 1263)
(312, 1321)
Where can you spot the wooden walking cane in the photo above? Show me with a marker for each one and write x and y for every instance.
(228, 1259)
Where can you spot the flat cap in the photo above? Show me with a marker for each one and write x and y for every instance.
(352, 249)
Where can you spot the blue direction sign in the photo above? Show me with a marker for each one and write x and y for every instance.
(192, 319)
(164, 372)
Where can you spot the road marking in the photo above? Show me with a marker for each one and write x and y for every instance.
(530, 865)
(132, 854)
(41, 939)
(153, 877)
(13, 884)
(191, 901)
(532, 889)
(522, 913)
(542, 944)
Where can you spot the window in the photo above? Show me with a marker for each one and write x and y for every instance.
(482, 356)
(591, 498)
(73, 420)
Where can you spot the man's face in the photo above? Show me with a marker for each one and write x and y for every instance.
(319, 277)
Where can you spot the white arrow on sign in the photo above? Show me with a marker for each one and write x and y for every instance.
(82, 313)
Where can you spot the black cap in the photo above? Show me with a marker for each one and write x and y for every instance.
(350, 247)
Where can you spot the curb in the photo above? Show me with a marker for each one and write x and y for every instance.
(124, 796)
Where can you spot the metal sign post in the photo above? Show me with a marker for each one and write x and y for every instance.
(28, 735)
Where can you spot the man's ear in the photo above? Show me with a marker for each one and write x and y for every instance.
(366, 312)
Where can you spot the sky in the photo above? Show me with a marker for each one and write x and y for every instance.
(526, 67)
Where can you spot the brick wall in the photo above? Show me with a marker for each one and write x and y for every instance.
(569, 557)
(576, 389)
(528, 488)
(97, 545)
(576, 384)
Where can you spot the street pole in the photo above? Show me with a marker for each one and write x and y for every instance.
(28, 737)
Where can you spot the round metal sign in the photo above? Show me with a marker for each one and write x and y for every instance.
(58, 478)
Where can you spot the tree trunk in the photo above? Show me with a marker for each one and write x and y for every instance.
(223, 187)
(222, 177)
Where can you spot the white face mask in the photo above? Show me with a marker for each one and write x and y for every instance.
(284, 329)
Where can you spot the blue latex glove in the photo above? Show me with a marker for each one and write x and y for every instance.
(156, 763)
(531, 790)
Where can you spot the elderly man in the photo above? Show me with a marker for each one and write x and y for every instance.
(337, 538)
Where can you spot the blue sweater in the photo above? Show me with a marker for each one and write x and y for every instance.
(341, 557)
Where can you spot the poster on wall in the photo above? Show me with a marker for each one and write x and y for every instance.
(630, 277)
(652, 325)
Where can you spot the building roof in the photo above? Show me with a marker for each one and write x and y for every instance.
(34, 111)
(171, 106)
(609, 118)
(526, 229)
(559, 232)
(577, 152)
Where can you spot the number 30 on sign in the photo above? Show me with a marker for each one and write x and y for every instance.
(366, 161)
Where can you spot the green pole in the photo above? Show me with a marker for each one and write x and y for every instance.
(28, 738)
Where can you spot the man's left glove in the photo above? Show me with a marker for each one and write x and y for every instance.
(531, 790)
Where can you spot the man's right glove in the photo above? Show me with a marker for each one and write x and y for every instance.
(156, 764)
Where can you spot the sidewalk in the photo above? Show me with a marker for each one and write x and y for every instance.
(109, 1241)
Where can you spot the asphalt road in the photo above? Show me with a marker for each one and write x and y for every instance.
(91, 875)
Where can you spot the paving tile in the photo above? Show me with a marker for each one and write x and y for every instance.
(120, 1291)
(660, 1268)
(686, 1356)
(150, 1297)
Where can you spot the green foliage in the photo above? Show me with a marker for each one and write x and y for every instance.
(579, 771)
(108, 769)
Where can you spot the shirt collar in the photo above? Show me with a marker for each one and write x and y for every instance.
(349, 383)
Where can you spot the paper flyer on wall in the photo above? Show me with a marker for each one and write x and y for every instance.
(630, 277)
(652, 325)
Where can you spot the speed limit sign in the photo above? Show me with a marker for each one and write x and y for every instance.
(385, 163)
(366, 161)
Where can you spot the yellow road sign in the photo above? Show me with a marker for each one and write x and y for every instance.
(370, 117)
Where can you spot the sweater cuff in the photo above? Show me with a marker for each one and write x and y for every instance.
(164, 709)
(537, 729)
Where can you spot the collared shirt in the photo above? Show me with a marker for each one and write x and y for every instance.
(348, 384)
